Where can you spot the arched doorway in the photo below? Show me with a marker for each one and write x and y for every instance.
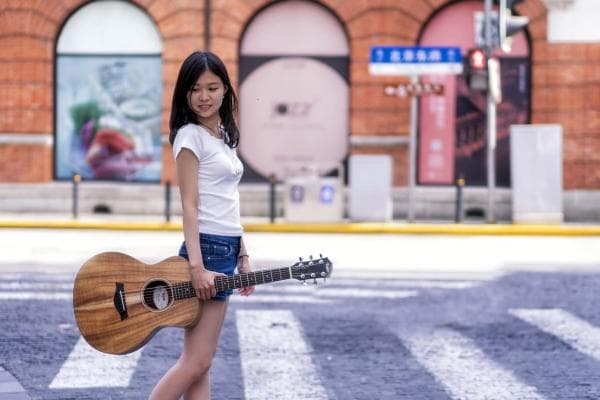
(452, 127)
(108, 94)
(294, 91)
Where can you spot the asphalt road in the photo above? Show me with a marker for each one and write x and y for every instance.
(394, 322)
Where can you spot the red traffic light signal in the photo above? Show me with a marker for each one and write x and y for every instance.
(476, 69)
(477, 59)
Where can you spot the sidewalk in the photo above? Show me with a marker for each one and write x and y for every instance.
(158, 223)
(356, 248)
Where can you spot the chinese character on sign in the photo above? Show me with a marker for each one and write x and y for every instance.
(435, 56)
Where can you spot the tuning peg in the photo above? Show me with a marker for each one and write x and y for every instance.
(310, 257)
(300, 258)
(320, 255)
(315, 281)
(304, 282)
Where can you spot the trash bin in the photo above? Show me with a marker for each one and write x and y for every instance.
(314, 198)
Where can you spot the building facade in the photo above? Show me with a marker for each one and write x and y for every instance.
(317, 50)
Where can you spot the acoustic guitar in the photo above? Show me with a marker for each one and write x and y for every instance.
(121, 302)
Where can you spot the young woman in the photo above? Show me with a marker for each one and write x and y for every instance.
(204, 135)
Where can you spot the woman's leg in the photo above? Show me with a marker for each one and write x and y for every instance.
(200, 390)
(190, 374)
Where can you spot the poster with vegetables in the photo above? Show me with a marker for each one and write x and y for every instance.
(108, 117)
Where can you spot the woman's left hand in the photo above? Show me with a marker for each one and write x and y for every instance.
(243, 268)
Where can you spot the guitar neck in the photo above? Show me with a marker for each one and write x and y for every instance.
(185, 290)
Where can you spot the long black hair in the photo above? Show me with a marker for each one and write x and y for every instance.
(181, 113)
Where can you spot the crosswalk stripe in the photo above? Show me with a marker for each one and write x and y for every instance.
(88, 368)
(578, 333)
(463, 368)
(275, 358)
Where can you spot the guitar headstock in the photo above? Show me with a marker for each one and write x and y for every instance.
(312, 269)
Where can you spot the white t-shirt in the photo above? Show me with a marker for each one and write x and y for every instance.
(219, 173)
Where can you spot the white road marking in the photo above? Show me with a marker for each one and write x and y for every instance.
(300, 295)
(409, 283)
(366, 293)
(464, 369)
(35, 286)
(60, 278)
(322, 291)
(35, 296)
(258, 298)
(276, 360)
(88, 368)
(579, 334)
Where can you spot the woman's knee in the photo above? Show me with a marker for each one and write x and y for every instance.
(196, 366)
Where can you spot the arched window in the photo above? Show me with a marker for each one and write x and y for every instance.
(294, 93)
(452, 127)
(108, 94)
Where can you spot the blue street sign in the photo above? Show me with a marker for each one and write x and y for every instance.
(415, 60)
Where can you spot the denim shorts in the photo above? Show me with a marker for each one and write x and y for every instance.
(219, 254)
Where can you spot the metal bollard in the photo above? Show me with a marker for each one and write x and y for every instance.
(272, 198)
(168, 201)
(75, 195)
(459, 212)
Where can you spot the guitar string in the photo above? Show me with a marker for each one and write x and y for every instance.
(228, 282)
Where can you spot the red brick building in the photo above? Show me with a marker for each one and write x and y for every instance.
(565, 77)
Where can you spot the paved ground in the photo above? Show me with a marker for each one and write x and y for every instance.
(403, 317)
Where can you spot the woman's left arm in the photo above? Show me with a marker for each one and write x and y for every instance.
(243, 265)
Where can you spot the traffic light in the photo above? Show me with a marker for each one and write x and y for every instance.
(476, 69)
(509, 24)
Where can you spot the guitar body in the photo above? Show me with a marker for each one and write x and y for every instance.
(121, 302)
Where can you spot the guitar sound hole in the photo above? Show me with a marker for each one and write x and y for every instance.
(158, 295)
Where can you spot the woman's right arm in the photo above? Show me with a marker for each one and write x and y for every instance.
(187, 176)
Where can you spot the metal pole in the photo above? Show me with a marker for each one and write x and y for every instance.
(75, 194)
(491, 118)
(168, 201)
(412, 151)
(272, 198)
(459, 210)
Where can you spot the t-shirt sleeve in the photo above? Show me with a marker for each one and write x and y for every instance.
(187, 138)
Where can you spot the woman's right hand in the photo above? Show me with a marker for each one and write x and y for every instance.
(203, 281)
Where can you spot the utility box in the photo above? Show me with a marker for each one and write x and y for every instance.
(536, 173)
(370, 194)
(314, 199)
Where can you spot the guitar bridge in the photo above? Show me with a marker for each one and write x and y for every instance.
(119, 300)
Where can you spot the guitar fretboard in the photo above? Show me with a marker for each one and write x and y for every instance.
(185, 290)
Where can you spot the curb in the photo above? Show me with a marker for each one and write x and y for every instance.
(10, 388)
(340, 228)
